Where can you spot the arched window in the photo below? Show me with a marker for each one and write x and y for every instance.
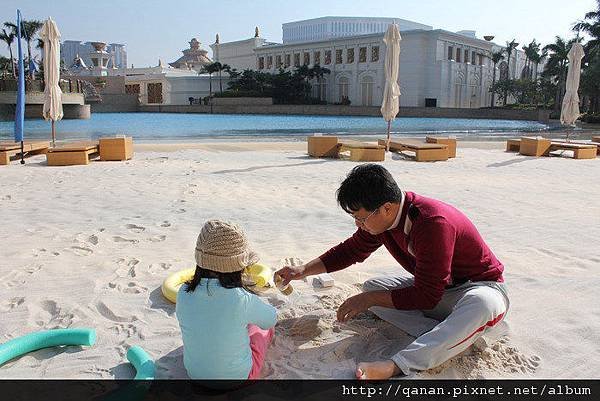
(343, 89)
(366, 89)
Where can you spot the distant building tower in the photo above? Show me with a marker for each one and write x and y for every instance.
(99, 59)
(193, 58)
(119, 54)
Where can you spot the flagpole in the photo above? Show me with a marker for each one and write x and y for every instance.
(387, 146)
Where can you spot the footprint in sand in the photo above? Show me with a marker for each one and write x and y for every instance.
(107, 313)
(81, 250)
(129, 266)
(12, 304)
(93, 239)
(157, 238)
(57, 317)
(165, 224)
(179, 211)
(6, 197)
(128, 288)
(158, 267)
(135, 228)
(118, 238)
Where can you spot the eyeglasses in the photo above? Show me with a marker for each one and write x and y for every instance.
(363, 220)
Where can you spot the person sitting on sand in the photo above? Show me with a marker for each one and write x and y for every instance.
(456, 279)
(226, 329)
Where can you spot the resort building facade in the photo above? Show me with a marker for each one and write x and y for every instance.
(438, 68)
(71, 49)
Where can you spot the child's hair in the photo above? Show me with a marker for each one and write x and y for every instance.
(227, 280)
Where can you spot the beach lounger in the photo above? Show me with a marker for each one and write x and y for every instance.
(362, 151)
(116, 148)
(596, 139)
(323, 146)
(534, 146)
(513, 145)
(451, 142)
(597, 144)
(580, 151)
(75, 153)
(424, 152)
(10, 150)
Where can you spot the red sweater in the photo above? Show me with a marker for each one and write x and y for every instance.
(439, 245)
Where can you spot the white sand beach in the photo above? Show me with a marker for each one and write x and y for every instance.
(89, 246)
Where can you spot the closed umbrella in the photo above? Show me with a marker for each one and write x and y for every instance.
(391, 91)
(52, 94)
(570, 105)
(20, 107)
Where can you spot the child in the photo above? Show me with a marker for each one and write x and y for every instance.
(226, 329)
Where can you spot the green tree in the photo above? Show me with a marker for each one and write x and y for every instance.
(210, 69)
(28, 31)
(557, 66)
(496, 58)
(9, 38)
(510, 47)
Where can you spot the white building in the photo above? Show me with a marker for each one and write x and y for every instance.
(438, 68)
(325, 28)
(70, 49)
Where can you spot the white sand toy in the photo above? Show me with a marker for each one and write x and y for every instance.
(325, 280)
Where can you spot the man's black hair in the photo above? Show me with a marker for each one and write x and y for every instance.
(367, 186)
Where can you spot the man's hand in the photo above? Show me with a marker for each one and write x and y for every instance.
(355, 305)
(289, 273)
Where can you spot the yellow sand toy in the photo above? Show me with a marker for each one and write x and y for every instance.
(257, 274)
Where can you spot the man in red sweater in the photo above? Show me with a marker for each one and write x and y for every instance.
(456, 279)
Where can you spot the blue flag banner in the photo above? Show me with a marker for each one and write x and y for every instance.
(20, 109)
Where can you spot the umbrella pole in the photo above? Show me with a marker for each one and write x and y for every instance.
(387, 146)
(22, 154)
(53, 134)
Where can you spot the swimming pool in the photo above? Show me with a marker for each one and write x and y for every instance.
(190, 127)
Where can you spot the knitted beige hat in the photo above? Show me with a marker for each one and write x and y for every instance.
(223, 247)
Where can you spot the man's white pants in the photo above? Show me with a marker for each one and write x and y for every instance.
(463, 314)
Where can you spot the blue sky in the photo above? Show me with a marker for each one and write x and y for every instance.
(161, 29)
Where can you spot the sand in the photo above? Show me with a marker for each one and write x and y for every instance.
(88, 246)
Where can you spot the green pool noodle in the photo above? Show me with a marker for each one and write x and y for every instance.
(141, 361)
(45, 339)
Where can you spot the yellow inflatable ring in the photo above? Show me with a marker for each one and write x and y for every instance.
(171, 285)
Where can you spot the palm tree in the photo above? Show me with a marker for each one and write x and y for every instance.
(210, 69)
(510, 47)
(28, 31)
(557, 65)
(496, 57)
(222, 67)
(531, 54)
(9, 38)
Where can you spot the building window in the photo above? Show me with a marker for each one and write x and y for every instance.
(450, 52)
(458, 53)
(269, 62)
(261, 63)
(327, 57)
(473, 58)
(375, 53)
(349, 56)
(366, 88)
(287, 60)
(317, 57)
(277, 61)
(320, 90)
(296, 59)
(466, 56)
(338, 56)
(480, 59)
(362, 55)
(155, 92)
(132, 89)
(343, 87)
(306, 58)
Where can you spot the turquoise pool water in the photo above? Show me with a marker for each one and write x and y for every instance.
(186, 127)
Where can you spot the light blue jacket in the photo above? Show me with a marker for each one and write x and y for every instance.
(214, 326)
